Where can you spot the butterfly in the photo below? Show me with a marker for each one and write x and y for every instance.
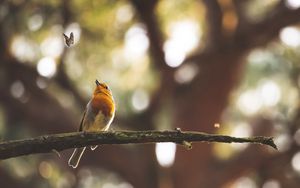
(69, 40)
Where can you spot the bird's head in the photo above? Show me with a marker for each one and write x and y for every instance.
(102, 88)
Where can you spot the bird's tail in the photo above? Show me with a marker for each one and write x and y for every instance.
(76, 156)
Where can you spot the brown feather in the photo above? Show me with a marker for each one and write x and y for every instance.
(82, 119)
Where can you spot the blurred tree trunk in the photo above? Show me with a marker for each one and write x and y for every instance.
(200, 110)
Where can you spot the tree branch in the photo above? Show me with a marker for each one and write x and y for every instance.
(59, 142)
(262, 32)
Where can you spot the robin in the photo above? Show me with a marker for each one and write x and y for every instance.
(98, 115)
(69, 40)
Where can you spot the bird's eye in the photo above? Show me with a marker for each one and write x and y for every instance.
(104, 86)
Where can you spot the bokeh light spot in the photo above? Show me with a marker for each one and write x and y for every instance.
(124, 14)
(52, 46)
(140, 100)
(249, 102)
(186, 73)
(290, 36)
(125, 185)
(23, 49)
(296, 162)
(17, 89)
(271, 184)
(184, 37)
(35, 22)
(292, 4)
(244, 182)
(136, 42)
(121, 185)
(46, 67)
(270, 93)
(45, 169)
(283, 142)
(165, 153)
(185, 33)
(174, 55)
(41, 83)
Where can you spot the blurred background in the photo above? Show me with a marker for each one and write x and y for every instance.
(227, 67)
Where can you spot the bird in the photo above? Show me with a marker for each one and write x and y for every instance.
(69, 40)
(98, 116)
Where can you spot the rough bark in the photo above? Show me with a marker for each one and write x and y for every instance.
(59, 142)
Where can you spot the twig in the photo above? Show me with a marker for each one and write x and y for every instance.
(59, 142)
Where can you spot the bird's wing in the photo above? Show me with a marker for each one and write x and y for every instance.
(81, 123)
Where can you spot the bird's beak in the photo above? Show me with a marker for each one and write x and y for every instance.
(97, 82)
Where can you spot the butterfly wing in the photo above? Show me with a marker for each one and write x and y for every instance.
(71, 38)
(66, 39)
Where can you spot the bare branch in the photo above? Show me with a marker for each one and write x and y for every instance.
(254, 35)
(59, 142)
(263, 32)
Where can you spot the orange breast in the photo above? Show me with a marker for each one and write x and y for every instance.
(103, 103)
